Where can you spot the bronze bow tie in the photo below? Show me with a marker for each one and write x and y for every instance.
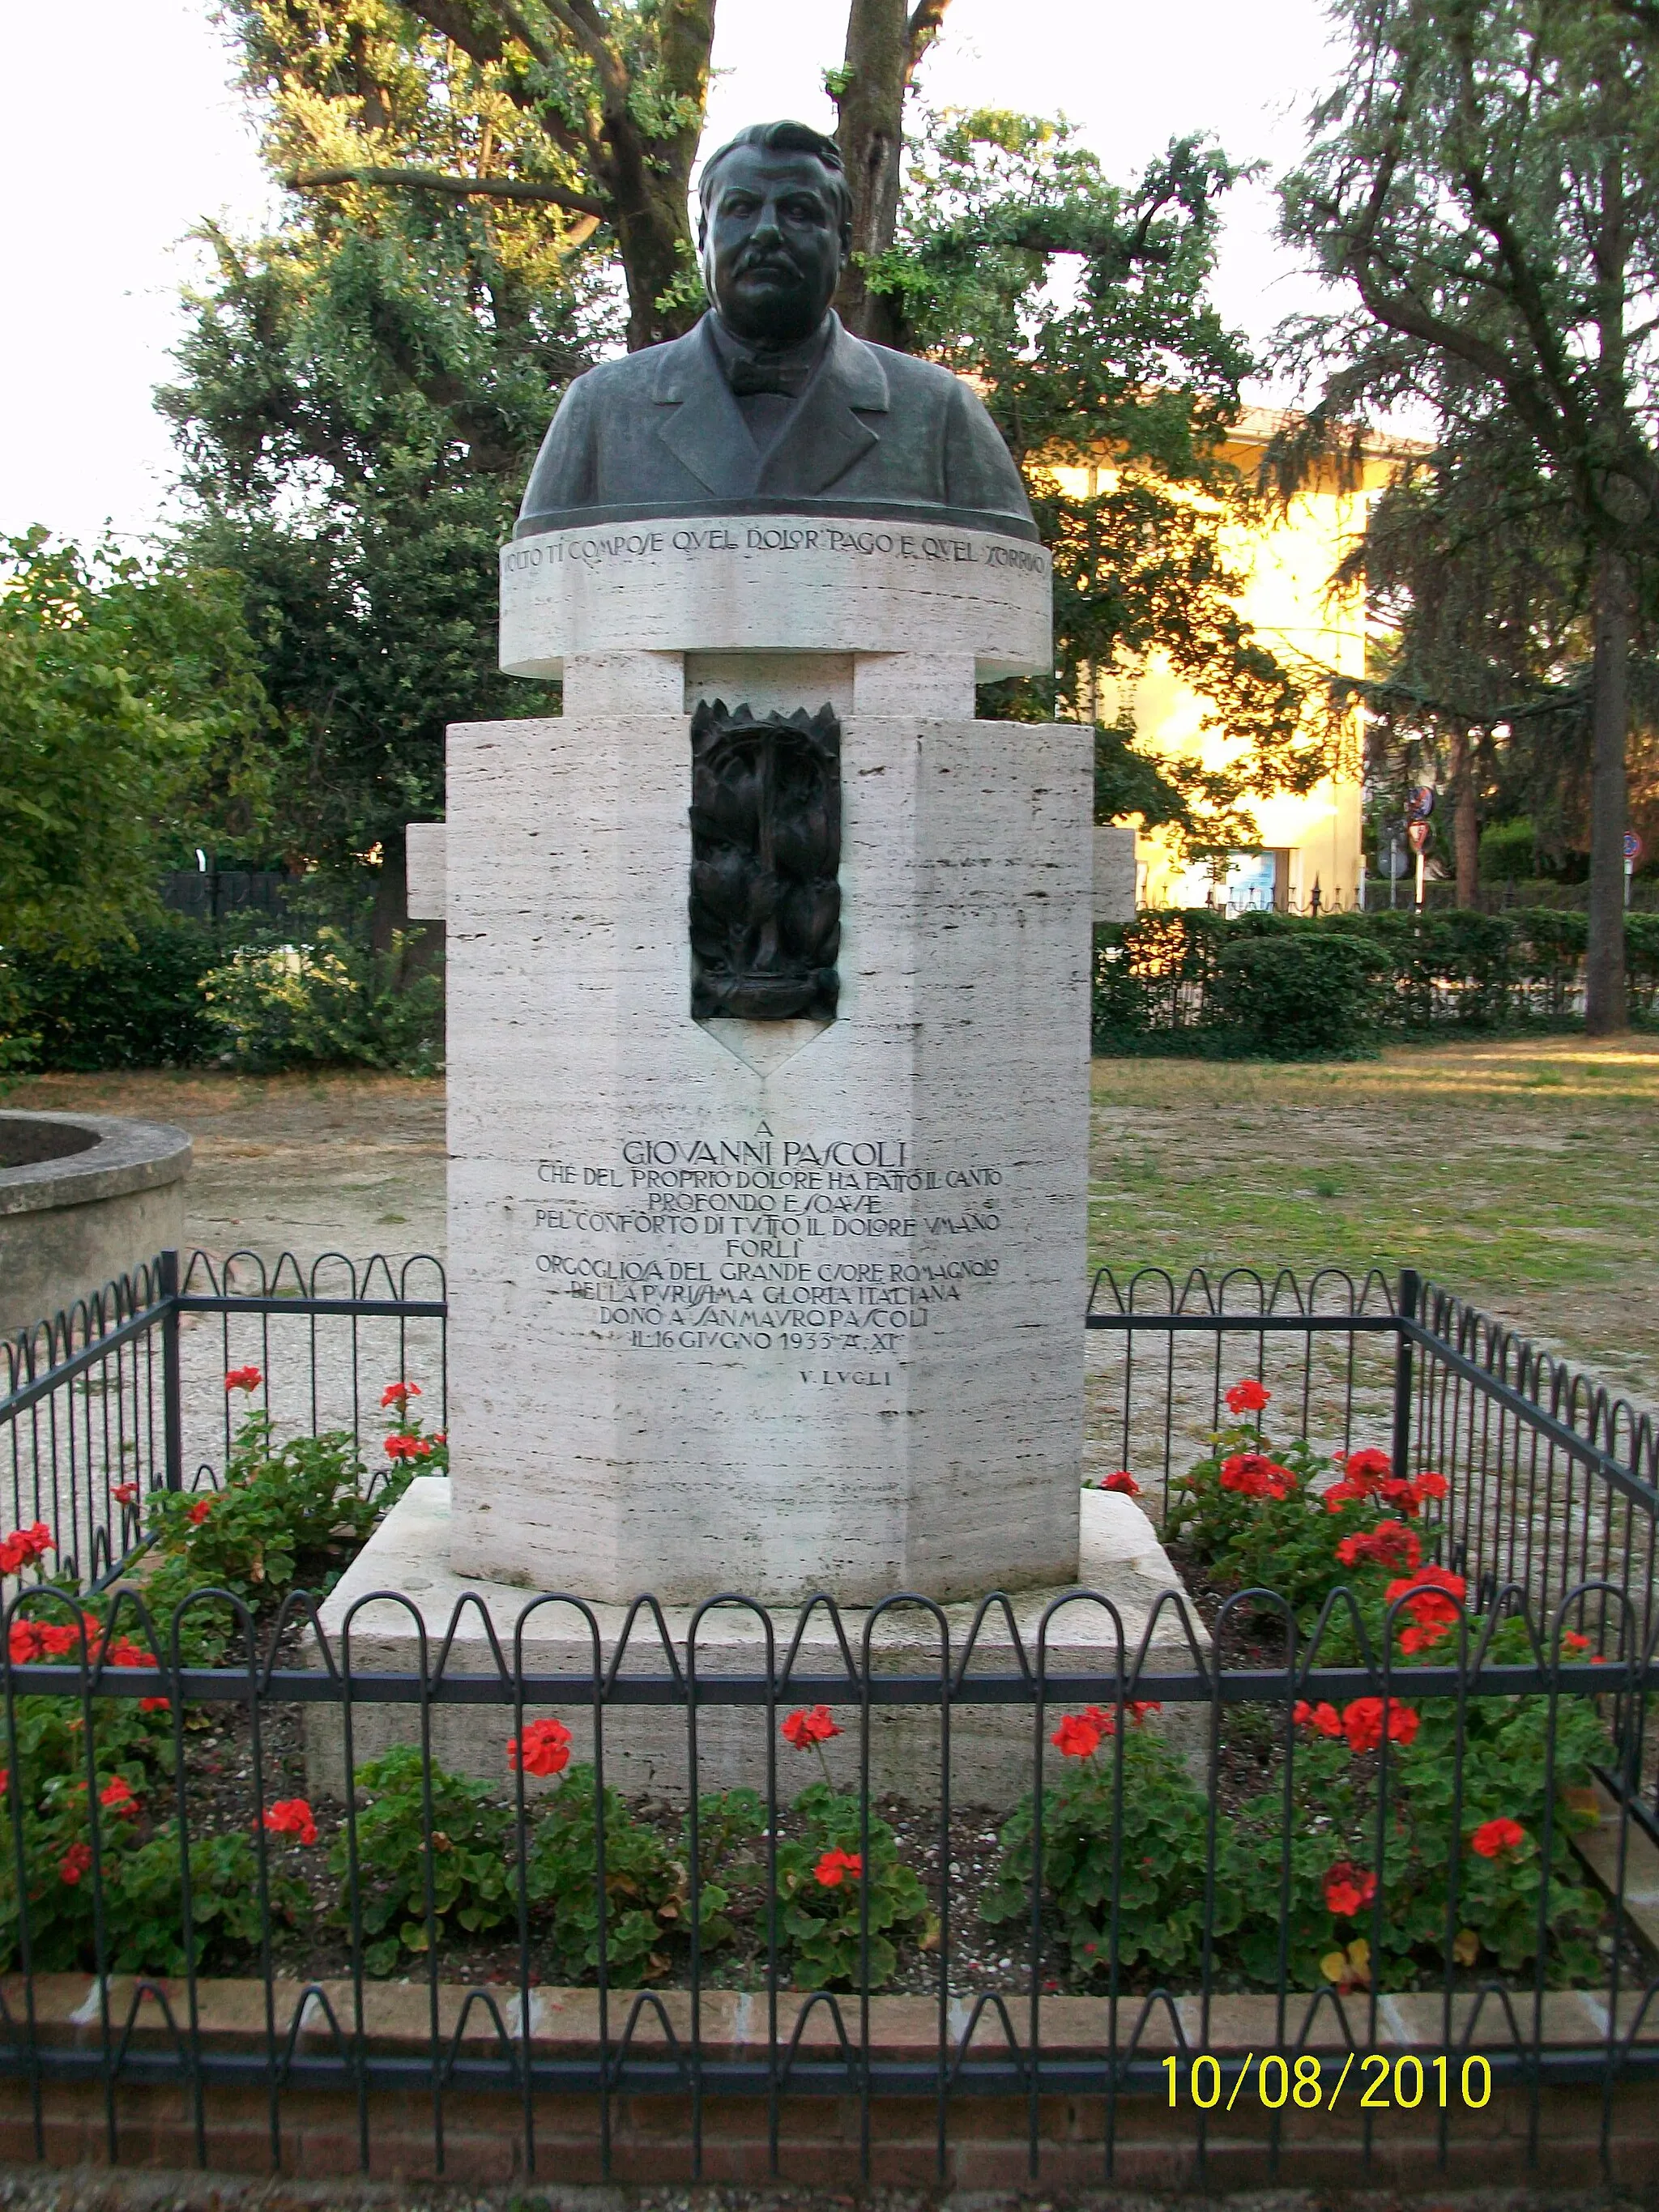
(747, 374)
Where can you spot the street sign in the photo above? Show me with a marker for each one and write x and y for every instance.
(1417, 835)
(1632, 848)
(1420, 805)
(1391, 861)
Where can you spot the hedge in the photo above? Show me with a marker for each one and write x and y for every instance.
(1289, 986)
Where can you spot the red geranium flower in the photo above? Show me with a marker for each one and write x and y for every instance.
(838, 1866)
(292, 1816)
(125, 1493)
(402, 1446)
(1247, 1397)
(1432, 1596)
(811, 1725)
(1344, 1494)
(1079, 1734)
(199, 1512)
(1252, 1475)
(76, 1862)
(544, 1749)
(1493, 1837)
(1123, 1482)
(399, 1393)
(33, 1641)
(1367, 1467)
(1323, 1717)
(1348, 1889)
(23, 1548)
(117, 1795)
(1572, 1641)
(1390, 1544)
(243, 1378)
(1363, 1721)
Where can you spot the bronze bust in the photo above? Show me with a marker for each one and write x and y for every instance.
(769, 404)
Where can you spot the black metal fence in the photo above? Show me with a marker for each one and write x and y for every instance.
(942, 1719)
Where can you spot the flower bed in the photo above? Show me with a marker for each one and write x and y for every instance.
(1385, 1841)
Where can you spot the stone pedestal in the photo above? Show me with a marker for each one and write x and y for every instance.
(777, 1306)
(1122, 1566)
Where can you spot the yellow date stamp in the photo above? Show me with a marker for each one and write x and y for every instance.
(1383, 2085)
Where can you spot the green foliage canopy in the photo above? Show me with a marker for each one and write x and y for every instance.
(129, 709)
(1079, 308)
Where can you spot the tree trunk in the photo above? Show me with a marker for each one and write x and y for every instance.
(1604, 967)
(1466, 821)
(870, 136)
(883, 47)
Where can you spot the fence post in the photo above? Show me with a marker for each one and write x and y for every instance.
(1410, 1285)
(173, 1427)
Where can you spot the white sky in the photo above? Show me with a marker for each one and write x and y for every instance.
(95, 250)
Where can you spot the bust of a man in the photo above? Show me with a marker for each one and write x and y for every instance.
(769, 403)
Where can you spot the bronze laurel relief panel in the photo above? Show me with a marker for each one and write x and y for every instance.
(765, 907)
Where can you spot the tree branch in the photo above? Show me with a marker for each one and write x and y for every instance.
(462, 25)
(581, 19)
(927, 20)
(459, 188)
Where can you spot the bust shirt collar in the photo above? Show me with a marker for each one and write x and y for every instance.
(807, 352)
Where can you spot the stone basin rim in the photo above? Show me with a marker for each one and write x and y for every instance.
(122, 1156)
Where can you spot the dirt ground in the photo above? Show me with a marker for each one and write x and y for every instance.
(1523, 1173)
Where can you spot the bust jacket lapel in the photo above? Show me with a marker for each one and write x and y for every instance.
(699, 421)
(823, 437)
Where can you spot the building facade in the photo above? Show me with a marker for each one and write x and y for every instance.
(1311, 844)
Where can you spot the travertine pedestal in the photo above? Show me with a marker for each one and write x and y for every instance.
(776, 1307)
(1122, 1566)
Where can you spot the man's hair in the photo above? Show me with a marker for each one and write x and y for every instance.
(781, 138)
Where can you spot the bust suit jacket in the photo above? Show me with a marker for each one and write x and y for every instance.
(659, 432)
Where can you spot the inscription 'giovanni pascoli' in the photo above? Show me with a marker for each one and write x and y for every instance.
(770, 1213)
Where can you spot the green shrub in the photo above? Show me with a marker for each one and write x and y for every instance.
(330, 1001)
(136, 1005)
(471, 1880)
(1479, 1821)
(1641, 962)
(1297, 992)
(44, 1809)
(646, 1888)
(822, 1874)
(1156, 1853)
(288, 1510)
(1508, 852)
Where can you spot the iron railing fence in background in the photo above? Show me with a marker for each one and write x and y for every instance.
(1553, 1479)
(1550, 1512)
(124, 1393)
(211, 894)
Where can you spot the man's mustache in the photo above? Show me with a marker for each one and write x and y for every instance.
(775, 258)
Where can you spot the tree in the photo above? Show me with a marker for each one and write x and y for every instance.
(358, 406)
(1080, 309)
(885, 45)
(1486, 178)
(127, 706)
(569, 114)
(1476, 575)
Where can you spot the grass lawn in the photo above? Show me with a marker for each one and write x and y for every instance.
(1524, 1173)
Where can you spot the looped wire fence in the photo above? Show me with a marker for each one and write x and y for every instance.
(982, 2070)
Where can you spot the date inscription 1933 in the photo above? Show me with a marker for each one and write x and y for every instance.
(840, 1248)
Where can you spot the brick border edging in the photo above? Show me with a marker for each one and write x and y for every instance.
(819, 2134)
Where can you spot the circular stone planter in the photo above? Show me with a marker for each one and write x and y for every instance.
(83, 1199)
